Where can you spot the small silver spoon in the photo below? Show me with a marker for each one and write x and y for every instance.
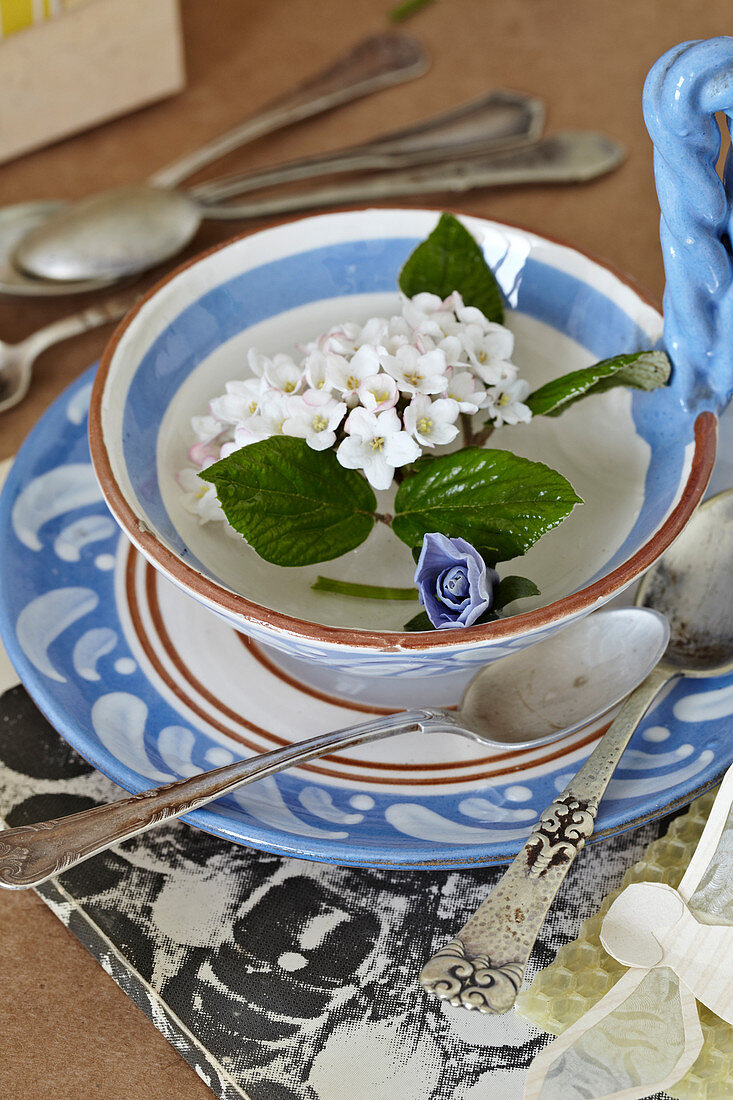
(376, 62)
(16, 360)
(484, 965)
(534, 696)
(130, 229)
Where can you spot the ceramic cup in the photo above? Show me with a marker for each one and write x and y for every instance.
(640, 461)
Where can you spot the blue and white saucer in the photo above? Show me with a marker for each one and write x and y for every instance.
(149, 686)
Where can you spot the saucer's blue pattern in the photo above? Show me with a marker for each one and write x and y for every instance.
(63, 623)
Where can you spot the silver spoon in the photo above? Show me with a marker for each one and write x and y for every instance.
(16, 360)
(132, 229)
(376, 62)
(484, 965)
(528, 698)
(122, 232)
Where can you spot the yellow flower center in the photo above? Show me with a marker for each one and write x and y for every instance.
(252, 408)
(425, 425)
(378, 443)
(380, 395)
(289, 387)
(504, 399)
(352, 383)
(319, 423)
(482, 357)
(413, 378)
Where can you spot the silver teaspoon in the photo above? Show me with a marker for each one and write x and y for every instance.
(376, 62)
(122, 232)
(484, 965)
(536, 695)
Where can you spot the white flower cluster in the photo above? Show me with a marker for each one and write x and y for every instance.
(379, 393)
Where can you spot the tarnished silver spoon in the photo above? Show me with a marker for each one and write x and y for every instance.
(484, 965)
(537, 695)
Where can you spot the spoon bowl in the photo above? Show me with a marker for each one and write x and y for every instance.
(690, 585)
(566, 682)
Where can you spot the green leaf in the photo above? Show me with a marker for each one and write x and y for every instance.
(643, 370)
(450, 259)
(492, 499)
(294, 505)
(420, 622)
(363, 591)
(510, 589)
(405, 10)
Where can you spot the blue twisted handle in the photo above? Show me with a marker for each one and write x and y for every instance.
(682, 92)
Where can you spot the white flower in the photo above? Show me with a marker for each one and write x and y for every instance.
(347, 338)
(240, 401)
(267, 421)
(206, 428)
(462, 388)
(316, 371)
(377, 445)
(432, 423)
(489, 349)
(397, 335)
(209, 433)
(199, 497)
(506, 403)
(415, 372)
(378, 392)
(314, 417)
(469, 315)
(429, 315)
(455, 354)
(346, 375)
(283, 374)
(341, 339)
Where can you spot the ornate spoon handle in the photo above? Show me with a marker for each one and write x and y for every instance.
(484, 965)
(30, 854)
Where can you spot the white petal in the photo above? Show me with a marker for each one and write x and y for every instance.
(320, 441)
(361, 423)
(445, 409)
(400, 449)
(378, 471)
(442, 434)
(352, 453)
(387, 423)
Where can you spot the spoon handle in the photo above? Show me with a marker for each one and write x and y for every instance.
(376, 62)
(29, 854)
(497, 120)
(571, 157)
(101, 314)
(483, 967)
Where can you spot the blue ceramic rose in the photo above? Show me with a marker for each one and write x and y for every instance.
(456, 586)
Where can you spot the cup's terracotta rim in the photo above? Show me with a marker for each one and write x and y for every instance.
(277, 622)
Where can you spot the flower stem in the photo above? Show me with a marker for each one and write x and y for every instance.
(363, 591)
(480, 438)
(467, 428)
